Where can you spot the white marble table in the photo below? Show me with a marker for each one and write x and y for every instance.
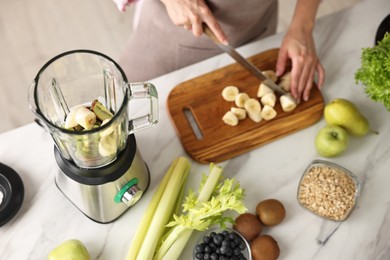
(47, 218)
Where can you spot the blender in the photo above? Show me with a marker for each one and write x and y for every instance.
(101, 170)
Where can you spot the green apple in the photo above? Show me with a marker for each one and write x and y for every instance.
(70, 250)
(344, 113)
(331, 140)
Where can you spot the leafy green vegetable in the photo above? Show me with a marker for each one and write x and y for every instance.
(374, 73)
(216, 197)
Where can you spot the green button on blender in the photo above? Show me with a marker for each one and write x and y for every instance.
(129, 194)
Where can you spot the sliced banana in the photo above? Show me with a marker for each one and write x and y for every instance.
(252, 105)
(255, 116)
(285, 81)
(287, 102)
(239, 112)
(263, 89)
(229, 93)
(70, 120)
(85, 117)
(108, 145)
(230, 118)
(271, 75)
(268, 113)
(269, 99)
(240, 99)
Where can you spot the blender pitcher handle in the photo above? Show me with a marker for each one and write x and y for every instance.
(141, 91)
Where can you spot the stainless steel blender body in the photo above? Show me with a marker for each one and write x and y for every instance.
(104, 194)
(90, 173)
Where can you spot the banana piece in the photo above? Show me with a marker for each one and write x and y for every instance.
(263, 90)
(240, 99)
(101, 112)
(107, 131)
(239, 112)
(229, 93)
(268, 113)
(271, 75)
(85, 117)
(285, 81)
(255, 116)
(108, 145)
(287, 102)
(230, 118)
(70, 120)
(252, 105)
(269, 99)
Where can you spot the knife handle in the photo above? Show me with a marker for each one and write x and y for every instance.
(210, 34)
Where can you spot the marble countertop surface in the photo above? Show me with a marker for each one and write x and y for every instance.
(47, 218)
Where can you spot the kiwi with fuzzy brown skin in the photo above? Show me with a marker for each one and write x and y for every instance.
(248, 225)
(265, 247)
(270, 212)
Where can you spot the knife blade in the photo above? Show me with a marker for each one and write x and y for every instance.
(242, 61)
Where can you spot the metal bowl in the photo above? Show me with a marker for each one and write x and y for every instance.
(246, 252)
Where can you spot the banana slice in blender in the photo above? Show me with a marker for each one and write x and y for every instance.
(108, 144)
(85, 117)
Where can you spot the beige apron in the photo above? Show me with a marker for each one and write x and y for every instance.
(157, 46)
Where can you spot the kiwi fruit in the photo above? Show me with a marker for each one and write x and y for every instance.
(270, 212)
(248, 225)
(265, 247)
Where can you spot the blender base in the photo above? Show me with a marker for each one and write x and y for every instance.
(103, 194)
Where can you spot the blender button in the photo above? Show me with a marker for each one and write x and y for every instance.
(132, 195)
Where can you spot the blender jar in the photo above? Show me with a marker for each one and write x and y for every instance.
(78, 79)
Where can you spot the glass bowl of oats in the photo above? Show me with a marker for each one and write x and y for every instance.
(328, 190)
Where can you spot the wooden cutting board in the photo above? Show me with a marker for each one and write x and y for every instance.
(219, 142)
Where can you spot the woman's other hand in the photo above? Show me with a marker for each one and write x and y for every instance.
(190, 14)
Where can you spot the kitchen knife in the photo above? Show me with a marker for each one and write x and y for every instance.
(242, 61)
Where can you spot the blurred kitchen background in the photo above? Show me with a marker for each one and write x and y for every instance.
(32, 32)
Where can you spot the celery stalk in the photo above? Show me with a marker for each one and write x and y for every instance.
(176, 249)
(159, 211)
(164, 209)
(178, 237)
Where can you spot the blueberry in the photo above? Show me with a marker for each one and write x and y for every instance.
(199, 256)
(206, 256)
(214, 256)
(217, 239)
(206, 239)
(236, 251)
(199, 248)
(207, 249)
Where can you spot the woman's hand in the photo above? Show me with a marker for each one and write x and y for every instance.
(298, 46)
(190, 14)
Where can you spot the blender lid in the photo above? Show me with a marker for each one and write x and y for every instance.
(11, 193)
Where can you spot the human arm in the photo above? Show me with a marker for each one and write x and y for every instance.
(298, 46)
(191, 14)
(121, 4)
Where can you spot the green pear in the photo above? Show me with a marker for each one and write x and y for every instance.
(69, 250)
(344, 113)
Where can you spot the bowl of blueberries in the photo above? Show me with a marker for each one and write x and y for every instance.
(221, 244)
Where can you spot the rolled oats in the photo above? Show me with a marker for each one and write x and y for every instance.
(327, 191)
